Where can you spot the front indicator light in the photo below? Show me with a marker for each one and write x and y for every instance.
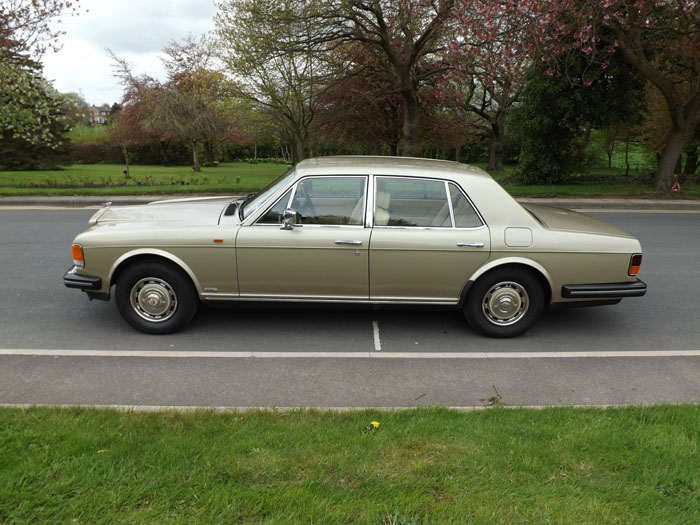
(635, 264)
(78, 258)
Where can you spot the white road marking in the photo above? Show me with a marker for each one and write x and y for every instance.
(631, 210)
(377, 341)
(52, 208)
(344, 355)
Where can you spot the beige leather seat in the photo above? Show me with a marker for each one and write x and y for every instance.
(443, 216)
(381, 214)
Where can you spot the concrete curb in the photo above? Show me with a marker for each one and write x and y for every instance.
(581, 203)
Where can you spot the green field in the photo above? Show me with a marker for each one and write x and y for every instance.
(499, 465)
(89, 134)
(110, 179)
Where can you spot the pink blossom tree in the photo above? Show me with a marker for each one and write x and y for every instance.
(658, 38)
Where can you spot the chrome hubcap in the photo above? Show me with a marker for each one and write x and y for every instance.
(153, 299)
(505, 303)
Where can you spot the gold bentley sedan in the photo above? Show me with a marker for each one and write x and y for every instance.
(374, 230)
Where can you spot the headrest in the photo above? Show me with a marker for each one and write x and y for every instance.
(383, 199)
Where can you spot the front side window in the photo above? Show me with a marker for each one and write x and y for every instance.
(251, 205)
(330, 200)
(411, 202)
(275, 214)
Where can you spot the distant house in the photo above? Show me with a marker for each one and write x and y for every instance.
(97, 116)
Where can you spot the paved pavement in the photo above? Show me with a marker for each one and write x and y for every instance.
(583, 203)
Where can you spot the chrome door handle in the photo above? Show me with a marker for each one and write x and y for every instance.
(352, 243)
(470, 244)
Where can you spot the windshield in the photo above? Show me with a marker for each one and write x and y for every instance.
(253, 203)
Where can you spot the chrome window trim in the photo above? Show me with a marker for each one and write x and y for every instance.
(354, 226)
(436, 228)
(449, 203)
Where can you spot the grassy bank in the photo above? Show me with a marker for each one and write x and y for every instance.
(559, 465)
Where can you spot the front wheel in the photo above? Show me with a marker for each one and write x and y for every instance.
(156, 298)
(504, 303)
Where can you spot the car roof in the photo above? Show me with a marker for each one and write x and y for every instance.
(365, 164)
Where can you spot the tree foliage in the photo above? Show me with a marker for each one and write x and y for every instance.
(260, 44)
(31, 111)
(660, 39)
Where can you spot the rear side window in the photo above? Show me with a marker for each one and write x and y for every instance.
(465, 215)
(411, 202)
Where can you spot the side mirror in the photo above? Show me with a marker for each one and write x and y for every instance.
(289, 219)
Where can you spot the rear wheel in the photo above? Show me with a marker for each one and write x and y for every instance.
(156, 298)
(504, 303)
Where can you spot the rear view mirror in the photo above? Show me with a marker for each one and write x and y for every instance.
(289, 219)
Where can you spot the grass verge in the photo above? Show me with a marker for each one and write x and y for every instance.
(557, 465)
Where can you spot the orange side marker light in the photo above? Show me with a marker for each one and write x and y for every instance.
(78, 258)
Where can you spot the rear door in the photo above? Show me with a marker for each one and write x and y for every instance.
(427, 240)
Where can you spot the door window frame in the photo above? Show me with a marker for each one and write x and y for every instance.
(292, 194)
(446, 183)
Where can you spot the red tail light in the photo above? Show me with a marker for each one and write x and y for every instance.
(635, 264)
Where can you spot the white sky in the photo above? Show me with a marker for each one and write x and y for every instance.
(133, 29)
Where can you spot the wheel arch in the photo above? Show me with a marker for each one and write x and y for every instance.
(511, 262)
(142, 255)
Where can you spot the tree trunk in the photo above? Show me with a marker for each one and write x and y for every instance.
(299, 150)
(208, 151)
(255, 152)
(411, 121)
(394, 149)
(496, 150)
(691, 161)
(669, 158)
(126, 160)
(163, 152)
(195, 156)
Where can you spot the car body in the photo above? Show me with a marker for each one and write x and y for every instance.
(376, 230)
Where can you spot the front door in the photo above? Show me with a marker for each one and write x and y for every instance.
(323, 257)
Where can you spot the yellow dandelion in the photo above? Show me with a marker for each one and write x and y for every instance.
(375, 424)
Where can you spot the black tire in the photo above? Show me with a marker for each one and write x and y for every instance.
(156, 297)
(504, 302)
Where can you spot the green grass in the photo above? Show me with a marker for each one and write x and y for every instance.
(558, 465)
(80, 134)
(600, 190)
(109, 179)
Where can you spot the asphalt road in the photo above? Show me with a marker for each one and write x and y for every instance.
(339, 356)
